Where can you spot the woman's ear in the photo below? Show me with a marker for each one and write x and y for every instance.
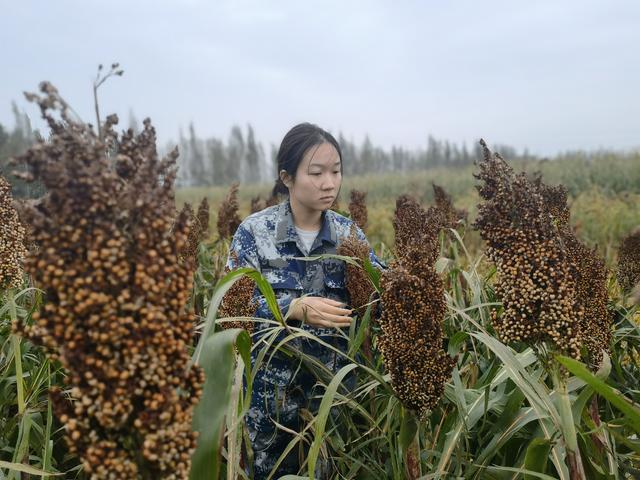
(286, 178)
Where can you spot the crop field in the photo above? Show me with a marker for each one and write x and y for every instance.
(604, 194)
(501, 341)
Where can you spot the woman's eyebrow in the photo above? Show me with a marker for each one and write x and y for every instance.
(322, 166)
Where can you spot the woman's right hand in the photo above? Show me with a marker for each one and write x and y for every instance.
(320, 312)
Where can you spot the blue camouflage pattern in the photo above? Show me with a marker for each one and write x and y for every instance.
(267, 241)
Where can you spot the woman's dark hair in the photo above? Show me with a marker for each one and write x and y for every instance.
(293, 147)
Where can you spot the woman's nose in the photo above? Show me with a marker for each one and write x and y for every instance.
(328, 183)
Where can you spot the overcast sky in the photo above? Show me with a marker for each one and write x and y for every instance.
(547, 75)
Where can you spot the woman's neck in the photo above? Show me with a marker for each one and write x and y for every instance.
(304, 218)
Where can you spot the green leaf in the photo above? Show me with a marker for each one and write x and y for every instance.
(323, 414)
(630, 410)
(521, 470)
(218, 361)
(19, 467)
(535, 460)
(373, 273)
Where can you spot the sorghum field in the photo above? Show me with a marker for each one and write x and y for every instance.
(501, 341)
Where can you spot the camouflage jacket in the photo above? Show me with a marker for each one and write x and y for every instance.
(267, 241)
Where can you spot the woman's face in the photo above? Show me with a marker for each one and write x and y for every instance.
(318, 178)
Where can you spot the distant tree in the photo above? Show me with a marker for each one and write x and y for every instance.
(217, 156)
(367, 156)
(235, 170)
(196, 158)
(252, 158)
(16, 142)
(184, 169)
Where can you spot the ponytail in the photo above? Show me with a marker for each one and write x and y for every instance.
(279, 188)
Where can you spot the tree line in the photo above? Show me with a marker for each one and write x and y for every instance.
(241, 158)
(206, 161)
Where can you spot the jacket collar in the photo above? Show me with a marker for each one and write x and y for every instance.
(286, 231)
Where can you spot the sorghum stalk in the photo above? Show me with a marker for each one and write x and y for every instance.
(574, 460)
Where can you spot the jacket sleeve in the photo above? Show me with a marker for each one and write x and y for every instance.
(243, 252)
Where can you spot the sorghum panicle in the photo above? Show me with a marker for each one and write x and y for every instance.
(629, 261)
(203, 217)
(413, 309)
(452, 216)
(358, 284)
(228, 219)
(238, 302)
(535, 279)
(12, 240)
(116, 294)
(589, 271)
(416, 232)
(358, 208)
(198, 231)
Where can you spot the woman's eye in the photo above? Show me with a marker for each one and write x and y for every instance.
(335, 173)
(315, 174)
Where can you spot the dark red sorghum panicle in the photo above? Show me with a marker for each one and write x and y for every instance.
(358, 284)
(116, 295)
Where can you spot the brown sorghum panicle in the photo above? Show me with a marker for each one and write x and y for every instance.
(358, 208)
(413, 309)
(629, 261)
(443, 201)
(238, 302)
(198, 231)
(589, 271)
(535, 278)
(358, 284)
(228, 219)
(115, 311)
(203, 217)
(416, 231)
(12, 240)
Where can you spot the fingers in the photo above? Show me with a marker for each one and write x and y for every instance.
(325, 312)
(343, 312)
(332, 302)
(337, 321)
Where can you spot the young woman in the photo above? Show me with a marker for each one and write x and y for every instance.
(311, 294)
